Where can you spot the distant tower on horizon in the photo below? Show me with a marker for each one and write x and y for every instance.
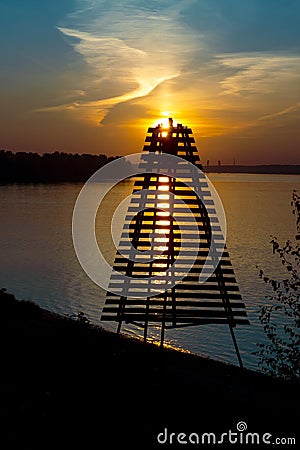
(188, 303)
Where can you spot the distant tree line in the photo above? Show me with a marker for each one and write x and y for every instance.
(57, 167)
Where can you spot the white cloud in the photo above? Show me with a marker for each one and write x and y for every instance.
(129, 49)
(260, 73)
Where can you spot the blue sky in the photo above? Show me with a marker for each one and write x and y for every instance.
(91, 75)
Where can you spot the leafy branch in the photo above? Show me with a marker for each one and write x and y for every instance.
(281, 355)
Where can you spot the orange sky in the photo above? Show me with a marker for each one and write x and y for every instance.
(91, 76)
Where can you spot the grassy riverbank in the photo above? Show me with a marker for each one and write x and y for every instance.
(66, 382)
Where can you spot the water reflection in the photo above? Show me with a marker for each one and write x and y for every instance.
(37, 259)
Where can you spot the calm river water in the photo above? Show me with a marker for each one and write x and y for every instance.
(38, 261)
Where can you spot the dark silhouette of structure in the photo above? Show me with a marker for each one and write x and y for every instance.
(215, 301)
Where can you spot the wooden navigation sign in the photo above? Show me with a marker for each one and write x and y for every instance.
(165, 236)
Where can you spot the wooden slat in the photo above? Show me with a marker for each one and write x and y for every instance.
(168, 318)
(180, 313)
(176, 139)
(187, 279)
(199, 295)
(154, 301)
(134, 283)
(217, 245)
(153, 236)
(135, 209)
(173, 202)
(142, 268)
(176, 215)
(184, 130)
(200, 259)
(153, 226)
(179, 184)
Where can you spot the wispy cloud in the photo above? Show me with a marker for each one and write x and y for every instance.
(284, 112)
(259, 73)
(137, 54)
(129, 49)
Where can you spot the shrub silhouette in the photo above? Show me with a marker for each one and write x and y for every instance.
(11, 306)
(281, 355)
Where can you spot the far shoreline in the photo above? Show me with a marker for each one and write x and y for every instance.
(59, 167)
(263, 169)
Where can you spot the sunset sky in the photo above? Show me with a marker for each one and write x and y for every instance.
(90, 76)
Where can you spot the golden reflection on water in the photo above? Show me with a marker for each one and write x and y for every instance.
(255, 205)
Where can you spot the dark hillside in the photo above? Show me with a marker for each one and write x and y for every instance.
(67, 382)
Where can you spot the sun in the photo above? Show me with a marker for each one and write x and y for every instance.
(164, 120)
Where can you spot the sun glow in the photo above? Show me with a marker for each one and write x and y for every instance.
(163, 205)
(164, 122)
(165, 223)
(163, 180)
(163, 188)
